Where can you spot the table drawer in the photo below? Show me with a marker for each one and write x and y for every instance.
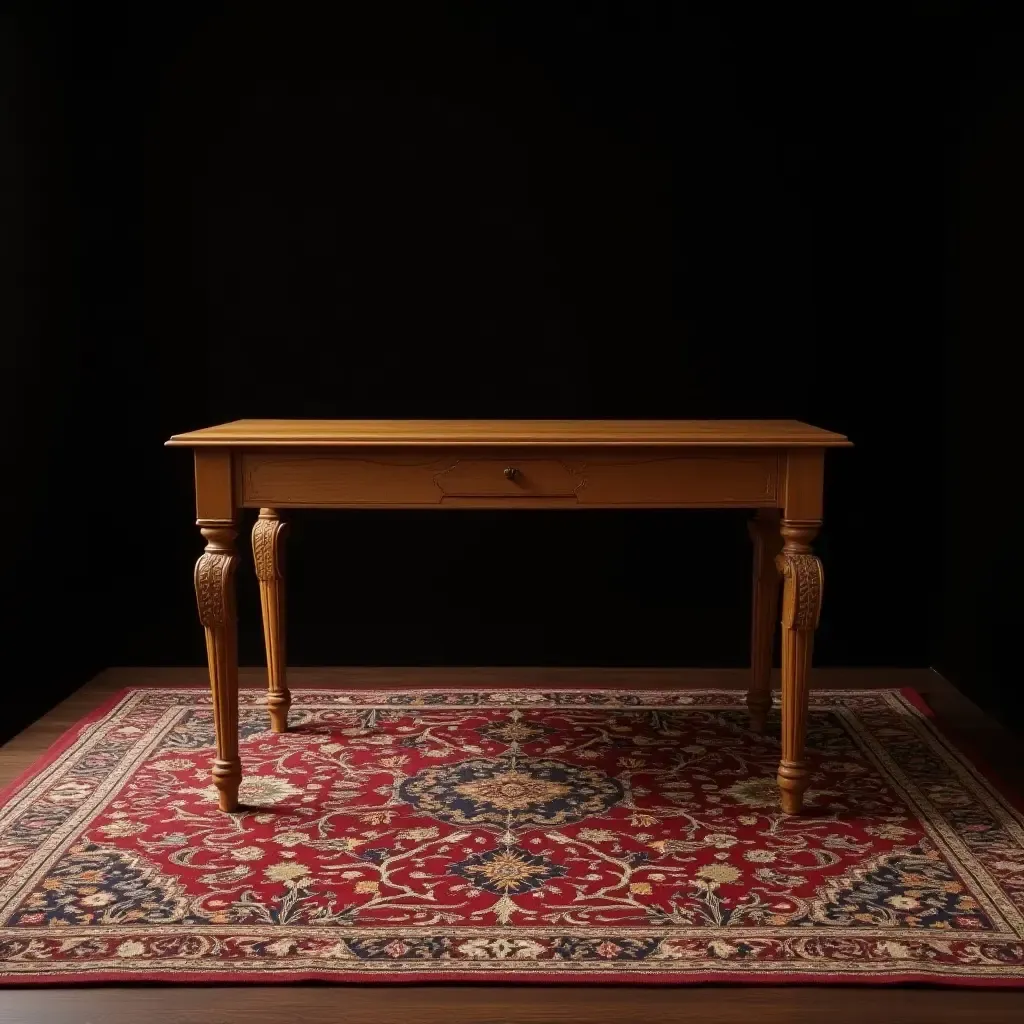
(511, 479)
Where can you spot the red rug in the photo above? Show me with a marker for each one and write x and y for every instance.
(439, 835)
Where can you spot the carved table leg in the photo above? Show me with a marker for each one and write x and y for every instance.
(268, 554)
(764, 531)
(215, 595)
(801, 607)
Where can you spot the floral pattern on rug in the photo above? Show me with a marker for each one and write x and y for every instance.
(510, 835)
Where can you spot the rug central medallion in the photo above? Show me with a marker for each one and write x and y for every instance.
(512, 792)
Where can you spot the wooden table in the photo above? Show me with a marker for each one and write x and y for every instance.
(773, 466)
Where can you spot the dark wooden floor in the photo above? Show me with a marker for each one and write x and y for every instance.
(484, 1004)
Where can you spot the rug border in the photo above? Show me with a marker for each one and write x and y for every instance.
(329, 978)
(968, 752)
(65, 740)
(90, 979)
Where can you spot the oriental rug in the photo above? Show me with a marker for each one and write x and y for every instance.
(509, 835)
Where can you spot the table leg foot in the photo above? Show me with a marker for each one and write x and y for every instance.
(215, 596)
(227, 775)
(801, 607)
(268, 554)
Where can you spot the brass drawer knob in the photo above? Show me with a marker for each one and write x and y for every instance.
(511, 472)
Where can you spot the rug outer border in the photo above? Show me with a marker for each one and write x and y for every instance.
(169, 978)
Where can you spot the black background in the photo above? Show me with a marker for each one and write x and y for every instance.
(511, 209)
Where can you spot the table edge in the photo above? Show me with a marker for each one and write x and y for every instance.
(181, 441)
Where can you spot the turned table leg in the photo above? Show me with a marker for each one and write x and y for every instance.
(215, 595)
(801, 606)
(764, 531)
(268, 554)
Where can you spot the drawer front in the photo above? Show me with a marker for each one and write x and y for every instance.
(685, 481)
(512, 477)
(340, 481)
(599, 479)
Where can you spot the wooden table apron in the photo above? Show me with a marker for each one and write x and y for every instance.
(773, 467)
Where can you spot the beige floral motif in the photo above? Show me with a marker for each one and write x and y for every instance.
(512, 697)
(718, 873)
(291, 838)
(122, 828)
(285, 872)
(723, 948)
(720, 840)
(903, 902)
(643, 819)
(377, 817)
(419, 834)
(99, 899)
(336, 951)
(513, 791)
(130, 948)
(281, 947)
(597, 835)
(247, 853)
(897, 950)
(671, 845)
(888, 831)
(502, 949)
(69, 792)
(178, 764)
(260, 790)
(759, 856)
(516, 731)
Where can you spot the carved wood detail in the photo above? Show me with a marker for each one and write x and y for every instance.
(802, 606)
(215, 596)
(268, 536)
(801, 609)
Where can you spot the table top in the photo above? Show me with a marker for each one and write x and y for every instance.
(468, 433)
